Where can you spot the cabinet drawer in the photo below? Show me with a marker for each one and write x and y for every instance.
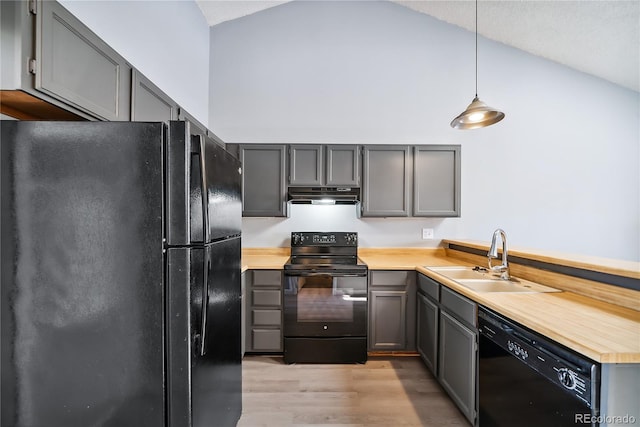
(459, 306)
(389, 278)
(267, 278)
(429, 286)
(267, 339)
(271, 297)
(267, 317)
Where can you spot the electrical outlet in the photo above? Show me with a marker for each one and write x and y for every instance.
(427, 233)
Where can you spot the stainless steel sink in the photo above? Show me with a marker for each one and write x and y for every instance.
(461, 272)
(501, 285)
(483, 281)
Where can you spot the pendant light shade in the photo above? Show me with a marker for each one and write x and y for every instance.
(477, 114)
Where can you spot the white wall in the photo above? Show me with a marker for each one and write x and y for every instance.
(560, 172)
(168, 41)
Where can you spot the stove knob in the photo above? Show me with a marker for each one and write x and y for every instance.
(566, 378)
(295, 238)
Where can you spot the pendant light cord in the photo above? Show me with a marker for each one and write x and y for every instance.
(476, 48)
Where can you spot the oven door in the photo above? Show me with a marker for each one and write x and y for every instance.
(325, 304)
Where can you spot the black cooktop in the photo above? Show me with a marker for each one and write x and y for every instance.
(326, 251)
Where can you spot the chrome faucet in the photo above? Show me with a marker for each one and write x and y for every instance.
(493, 253)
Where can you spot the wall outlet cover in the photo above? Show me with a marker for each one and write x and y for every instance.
(427, 233)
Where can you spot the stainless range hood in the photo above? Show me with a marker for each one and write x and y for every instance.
(324, 195)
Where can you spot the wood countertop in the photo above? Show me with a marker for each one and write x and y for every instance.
(264, 258)
(602, 331)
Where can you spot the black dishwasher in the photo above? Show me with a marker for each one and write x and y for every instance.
(527, 380)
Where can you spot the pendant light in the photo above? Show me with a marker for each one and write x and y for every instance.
(477, 114)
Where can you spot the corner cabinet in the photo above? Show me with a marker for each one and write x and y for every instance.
(392, 310)
(74, 65)
(320, 165)
(263, 180)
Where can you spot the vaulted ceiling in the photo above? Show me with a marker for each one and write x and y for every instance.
(598, 37)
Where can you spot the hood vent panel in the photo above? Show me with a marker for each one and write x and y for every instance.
(324, 195)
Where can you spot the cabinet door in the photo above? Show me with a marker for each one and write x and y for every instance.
(386, 171)
(387, 327)
(342, 165)
(427, 332)
(436, 181)
(457, 362)
(263, 180)
(305, 165)
(77, 67)
(148, 102)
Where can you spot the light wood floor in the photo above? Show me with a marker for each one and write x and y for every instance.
(386, 391)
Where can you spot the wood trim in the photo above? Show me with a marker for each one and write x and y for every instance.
(23, 106)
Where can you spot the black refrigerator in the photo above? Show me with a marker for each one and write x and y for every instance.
(120, 276)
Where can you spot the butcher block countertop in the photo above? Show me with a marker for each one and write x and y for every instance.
(601, 330)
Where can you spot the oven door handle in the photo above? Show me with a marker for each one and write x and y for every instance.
(330, 274)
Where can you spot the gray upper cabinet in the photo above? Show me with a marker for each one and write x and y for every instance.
(75, 66)
(386, 171)
(148, 102)
(263, 180)
(436, 181)
(320, 165)
(305, 165)
(342, 165)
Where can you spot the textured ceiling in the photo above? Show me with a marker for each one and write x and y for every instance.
(597, 37)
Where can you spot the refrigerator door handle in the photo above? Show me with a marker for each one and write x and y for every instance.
(205, 304)
(204, 189)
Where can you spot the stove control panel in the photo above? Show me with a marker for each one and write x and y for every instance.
(324, 239)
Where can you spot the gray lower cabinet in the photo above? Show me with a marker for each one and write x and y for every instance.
(392, 310)
(264, 311)
(436, 180)
(77, 67)
(148, 102)
(385, 180)
(263, 180)
(458, 351)
(427, 331)
(324, 165)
